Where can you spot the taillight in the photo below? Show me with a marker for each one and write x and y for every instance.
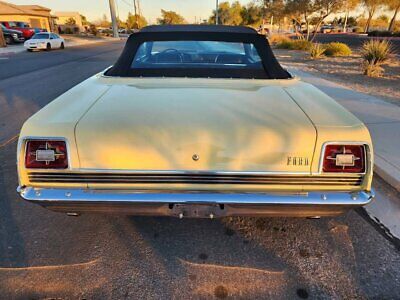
(45, 154)
(344, 158)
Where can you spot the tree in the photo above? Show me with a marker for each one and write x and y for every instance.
(104, 22)
(85, 22)
(251, 14)
(312, 12)
(349, 5)
(372, 6)
(170, 17)
(395, 6)
(235, 14)
(121, 24)
(223, 14)
(274, 10)
(295, 13)
(2, 40)
(228, 14)
(70, 21)
(135, 21)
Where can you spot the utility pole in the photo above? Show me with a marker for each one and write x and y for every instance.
(216, 13)
(138, 9)
(136, 16)
(114, 19)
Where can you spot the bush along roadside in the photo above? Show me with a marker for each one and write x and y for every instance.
(337, 49)
(299, 44)
(278, 38)
(317, 51)
(374, 54)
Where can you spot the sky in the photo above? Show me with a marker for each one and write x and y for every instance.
(191, 10)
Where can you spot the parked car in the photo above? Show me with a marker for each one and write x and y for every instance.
(12, 36)
(26, 25)
(20, 26)
(45, 41)
(329, 29)
(37, 30)
(196, 121)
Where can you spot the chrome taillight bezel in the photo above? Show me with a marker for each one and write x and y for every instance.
(44, 139)
(367, 157)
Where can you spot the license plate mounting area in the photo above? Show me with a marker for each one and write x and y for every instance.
(195, 210)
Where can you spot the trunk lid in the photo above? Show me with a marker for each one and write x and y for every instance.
(188, 124)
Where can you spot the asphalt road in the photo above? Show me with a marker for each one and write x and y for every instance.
(353, 40)
(49, 255)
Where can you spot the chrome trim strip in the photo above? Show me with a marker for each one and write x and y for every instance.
(54, 196)
(191, 172)
(189, 178)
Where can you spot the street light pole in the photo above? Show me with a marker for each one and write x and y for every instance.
(216, 13)
(114, 18)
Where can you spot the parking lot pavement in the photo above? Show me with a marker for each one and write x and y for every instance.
(49, 255)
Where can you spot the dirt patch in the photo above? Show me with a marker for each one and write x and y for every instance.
(347, 71)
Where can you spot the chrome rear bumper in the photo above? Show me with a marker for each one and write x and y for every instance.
(195, 204)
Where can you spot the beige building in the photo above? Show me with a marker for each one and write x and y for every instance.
(63, 17)
(35, 15)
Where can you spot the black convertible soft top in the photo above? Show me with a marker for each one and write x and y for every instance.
(198, 28)
(238, 34)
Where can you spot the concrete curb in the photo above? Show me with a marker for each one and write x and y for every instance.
(387, 172)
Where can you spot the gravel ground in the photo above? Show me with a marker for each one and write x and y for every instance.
(347, 71)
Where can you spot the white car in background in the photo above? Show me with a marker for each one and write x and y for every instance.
(45, 41)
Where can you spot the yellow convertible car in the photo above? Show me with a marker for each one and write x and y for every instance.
(196, 121)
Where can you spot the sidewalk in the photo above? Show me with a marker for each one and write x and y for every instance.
(381, 118)
(11, 49)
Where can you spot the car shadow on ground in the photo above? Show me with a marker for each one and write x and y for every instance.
(211, 256)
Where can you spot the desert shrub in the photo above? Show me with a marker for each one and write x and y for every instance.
(278, 38)
(301, 44)
(337, 49)
(372, 70)
(284, 44)
(374, 54)
(317, 51)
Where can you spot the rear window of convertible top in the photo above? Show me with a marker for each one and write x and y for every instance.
(206, 55)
